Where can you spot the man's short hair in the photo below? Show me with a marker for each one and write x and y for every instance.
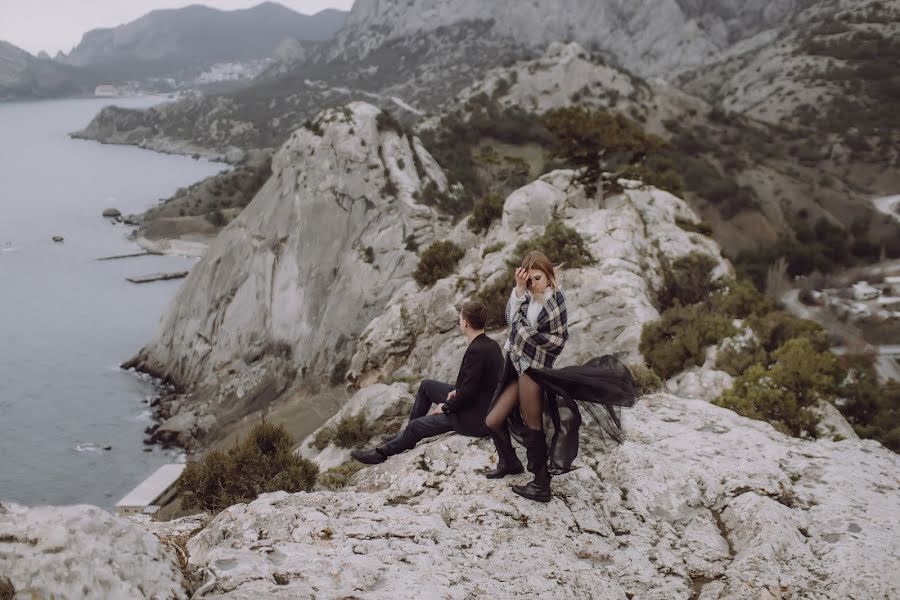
(475, 313)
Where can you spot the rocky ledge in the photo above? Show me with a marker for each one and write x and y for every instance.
(698, 503)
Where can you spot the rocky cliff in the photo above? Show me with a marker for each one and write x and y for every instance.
(286, 287)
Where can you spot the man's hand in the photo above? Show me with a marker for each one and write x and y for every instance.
(451, 395)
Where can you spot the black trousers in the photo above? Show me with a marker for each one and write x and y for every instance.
(421, 424)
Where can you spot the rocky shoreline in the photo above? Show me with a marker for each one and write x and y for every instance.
(117, 126)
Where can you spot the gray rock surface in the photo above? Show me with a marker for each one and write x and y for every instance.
(287, 286)
(697, 503)
(83, 552)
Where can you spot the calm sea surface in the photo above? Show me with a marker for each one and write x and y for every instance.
(66, 320)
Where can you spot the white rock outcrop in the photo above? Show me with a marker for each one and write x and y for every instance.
(302, 270)
(83, 552)
(608, 302)
(697, 503)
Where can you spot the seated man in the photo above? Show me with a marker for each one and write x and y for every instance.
(462, 408)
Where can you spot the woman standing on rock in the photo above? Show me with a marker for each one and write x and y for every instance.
(538, 331)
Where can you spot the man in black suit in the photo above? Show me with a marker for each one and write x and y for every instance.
(441, 407)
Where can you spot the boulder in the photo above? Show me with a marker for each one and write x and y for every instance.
(111, 213)
(82, 552)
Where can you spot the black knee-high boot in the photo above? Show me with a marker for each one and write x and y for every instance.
(539, 488)
(507, 461)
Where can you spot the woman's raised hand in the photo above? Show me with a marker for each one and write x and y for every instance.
(521, 280)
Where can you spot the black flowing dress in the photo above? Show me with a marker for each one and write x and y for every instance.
(601, 386)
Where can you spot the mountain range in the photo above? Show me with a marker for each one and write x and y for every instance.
(25, 76)
(164, 42)
(176, 44)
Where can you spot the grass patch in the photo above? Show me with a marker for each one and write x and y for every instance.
(337, 478)
(646, 381)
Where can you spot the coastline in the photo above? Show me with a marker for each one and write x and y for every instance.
(174, 246)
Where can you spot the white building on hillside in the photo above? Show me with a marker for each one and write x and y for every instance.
(152, 493)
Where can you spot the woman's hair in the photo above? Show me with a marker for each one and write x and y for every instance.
(538, 260)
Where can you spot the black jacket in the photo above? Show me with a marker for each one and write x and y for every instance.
(475, 384)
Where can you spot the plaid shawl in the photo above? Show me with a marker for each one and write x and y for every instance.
(543, 343)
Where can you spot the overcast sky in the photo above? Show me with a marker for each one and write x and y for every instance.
(53, 25)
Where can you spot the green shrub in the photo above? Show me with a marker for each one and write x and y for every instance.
(389, 188)
(679, 338)
(368, 254)
(646, 381)
(688, 280)
(217, 218)
(735, 361)
(494, 298)
(323, 437)
(263, 462)
(740, 299)
(388, 122)
(778, 327)
(871, 408)
(337, 478)
(438, 261)
(783, 394)
(485, 211)
(561, 244)
(702, 227)
(657, 171)
(497, 247)
(350, 432)
(339, 371)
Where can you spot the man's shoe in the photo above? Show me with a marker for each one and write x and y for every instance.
(369, 457)
(507, 461)
(539, 492)
(503, 470)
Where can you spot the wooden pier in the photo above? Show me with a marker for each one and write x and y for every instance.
(157, 277)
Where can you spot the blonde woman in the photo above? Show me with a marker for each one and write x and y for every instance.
(531, 392)
(538, 330)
